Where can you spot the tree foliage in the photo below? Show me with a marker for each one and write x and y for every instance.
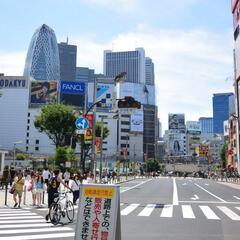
(223, 155)
(20, 156)
(152, 165)
(98, 130)
(58, 122)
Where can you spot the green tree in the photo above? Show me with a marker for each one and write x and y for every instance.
(152, 165)
(98, 130)
(223, 155)
(20, 156)
(58, 122)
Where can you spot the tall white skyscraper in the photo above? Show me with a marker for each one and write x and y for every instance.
(132, 62)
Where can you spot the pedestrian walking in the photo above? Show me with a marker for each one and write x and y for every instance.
(75, 186)
(18, 185)
(66, 177)
(46, 176)
(39, 188)
(31, 187)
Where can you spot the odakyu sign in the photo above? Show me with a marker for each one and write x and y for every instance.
(72, 87)
(13, 82)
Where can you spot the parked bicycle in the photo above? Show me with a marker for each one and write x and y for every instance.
(60, 209)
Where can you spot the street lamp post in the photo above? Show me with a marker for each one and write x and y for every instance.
(117, 79)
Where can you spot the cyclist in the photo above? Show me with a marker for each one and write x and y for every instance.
(53, 188)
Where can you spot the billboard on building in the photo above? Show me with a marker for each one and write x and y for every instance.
(43, 92)
(193, 127)
(177, 143)
(72, 93)
(137, 121)
(10, 82)
(176, 121)
(105, 95)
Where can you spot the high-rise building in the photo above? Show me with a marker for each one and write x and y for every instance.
(84, 74)
(131, 62)
(206, 124)
(220, 111)
(42, 61)
(68, 59)
(149, 71)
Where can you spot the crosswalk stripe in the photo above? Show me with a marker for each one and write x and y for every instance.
(187, 211)
(238, 208)
(25, 221)
(13, 212)
(229, 213)
(43, 224)
(208, 212)
(167, 211)
(17, 214)
(39, 236)
(21, 217)
(37, 230)
(129, 209)
(147, 210)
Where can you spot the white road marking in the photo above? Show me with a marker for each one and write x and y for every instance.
(187, 211)
(43, 224)
(121, 204)
(37, 230)
(17, 214)
(210, 193)
(25, 221)
(206, 184)
(167, 211)
(23, 217)
(184, 184)
(135, 186)
(229, 213)
(40, 236)
(129, 209)
(13, 212)
(209, 213)
(238, 208)
(175, 193)
(147, 210)
(238, 198)
(195, 197)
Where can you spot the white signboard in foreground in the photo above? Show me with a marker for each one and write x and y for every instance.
(98, 213)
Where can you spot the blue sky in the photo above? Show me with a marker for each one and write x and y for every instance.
(190, 42)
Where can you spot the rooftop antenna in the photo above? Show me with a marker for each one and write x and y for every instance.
(67, 39)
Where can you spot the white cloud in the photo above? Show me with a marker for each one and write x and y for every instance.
(12, 63)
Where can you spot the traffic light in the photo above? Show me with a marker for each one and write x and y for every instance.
(128, 102)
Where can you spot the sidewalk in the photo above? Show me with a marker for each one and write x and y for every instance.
(233, 183)
(27, 196)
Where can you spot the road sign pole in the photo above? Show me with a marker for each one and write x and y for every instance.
(93, 162)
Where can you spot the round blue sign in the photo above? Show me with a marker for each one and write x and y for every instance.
(82, 123)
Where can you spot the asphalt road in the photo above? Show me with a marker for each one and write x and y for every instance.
(161, 209)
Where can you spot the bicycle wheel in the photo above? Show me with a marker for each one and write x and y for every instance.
(55, 213)
(70, 211)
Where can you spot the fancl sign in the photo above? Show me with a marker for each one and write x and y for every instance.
(13, 82)
(72, 87)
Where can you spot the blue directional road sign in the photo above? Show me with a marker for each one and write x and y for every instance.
(82, 123)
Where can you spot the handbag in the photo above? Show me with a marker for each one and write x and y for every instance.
(12, 189)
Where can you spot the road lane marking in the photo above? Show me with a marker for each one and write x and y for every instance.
(206, 184)
(43, 224)
(25, 221)
(210, 193)
(208, 202)
(209, 213)
(23, 217)
(195, 197)
(135, 186)
(35, 230)
(184, 184)
(129, 209)
(167, 211)
(13, 212)
(229, 213)
(238, 198)
(17, 214)
(147, 210)
(187, 211)
(40, 236)
(238, 208)
(175, 193)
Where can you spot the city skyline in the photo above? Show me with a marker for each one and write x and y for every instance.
(186, 49)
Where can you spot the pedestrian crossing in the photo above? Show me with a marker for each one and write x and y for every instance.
(187, 211)
(22, 224)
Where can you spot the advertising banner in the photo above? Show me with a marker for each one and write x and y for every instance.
(203, 150)
(176, 121)
(137, 121)
(88, 135)
(177, 143)
(13, 82)
(72, 87)
(43, 92)
(98, 213)
(193, 127)
(105, 94)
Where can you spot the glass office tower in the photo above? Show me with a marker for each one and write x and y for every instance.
(42, 61)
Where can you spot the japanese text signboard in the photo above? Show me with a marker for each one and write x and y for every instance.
(98, 213)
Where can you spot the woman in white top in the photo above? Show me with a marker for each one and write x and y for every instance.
(75, 186)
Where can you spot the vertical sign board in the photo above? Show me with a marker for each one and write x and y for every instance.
(98, 213)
